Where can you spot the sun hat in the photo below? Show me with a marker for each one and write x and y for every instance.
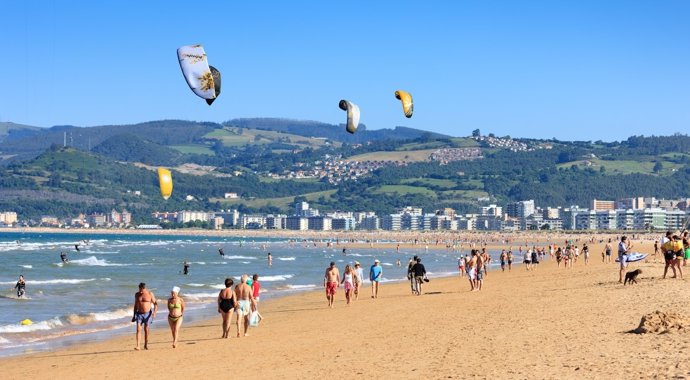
(377, 261)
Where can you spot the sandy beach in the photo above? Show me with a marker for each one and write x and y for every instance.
(548, 323)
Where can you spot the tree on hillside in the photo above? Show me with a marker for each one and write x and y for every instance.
(658, 166)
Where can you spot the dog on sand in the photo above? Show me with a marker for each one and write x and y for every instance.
(632, 276)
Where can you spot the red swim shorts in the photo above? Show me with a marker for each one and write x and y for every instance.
(331, 287)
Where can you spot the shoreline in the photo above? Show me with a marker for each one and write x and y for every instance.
(549, 323)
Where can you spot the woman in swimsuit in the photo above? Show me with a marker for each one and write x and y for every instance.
(175, 311)
(348, 281)
(226, 305)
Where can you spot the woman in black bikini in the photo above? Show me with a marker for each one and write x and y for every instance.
(226, 305)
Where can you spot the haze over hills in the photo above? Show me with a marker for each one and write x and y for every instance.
(270, 162)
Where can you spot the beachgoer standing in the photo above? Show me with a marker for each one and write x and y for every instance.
(145, 309)
(527, 259)
(535, 258)
(623, 249)
(504, 257)
(331, 281)
(471, 268)
(270, 259)
(585, 251)
(245, 301)
(669, 255)
(185, 268)
(461, 266)
(359, 278)
(607, 252)
(21, 287)
(510, 260)
(226, 306)
(480, 265)
(348, 282)
(375, 276)
(175, 312)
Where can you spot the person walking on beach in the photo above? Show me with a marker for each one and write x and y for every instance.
(471, 266)
(623, 250)
(20, 287)
(245, 301)
(348, 282)
(504, 257)
(331, 281)
(510, 260)
(175, 312)
(419, 275)
(480, 266)
(359, 278)
(226, 306)
(375, 276)
(585, 252)
(256, 289)
(145, 309)
(461, 266)
(535, 258)
(527, 259)
(486, 260)
(410, 273)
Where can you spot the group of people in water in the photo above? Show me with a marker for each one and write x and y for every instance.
(242, 300)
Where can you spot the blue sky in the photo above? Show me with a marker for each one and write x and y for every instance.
(575, 70)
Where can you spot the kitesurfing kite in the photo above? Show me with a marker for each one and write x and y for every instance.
(406, 100)
(166, 184)
(203, 79)
(352, 115)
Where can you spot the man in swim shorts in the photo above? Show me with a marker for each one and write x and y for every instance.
(623, 250)
(245, 301)
(145, 309)
(331, 281)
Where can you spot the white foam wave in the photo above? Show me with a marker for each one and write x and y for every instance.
(27, 266)
(111, 315)
(276, 278)
(44, 282)
(196, 285)
(199, 296)
(39, 326)
(301, 286)
(287, 258)
(94, 261)
(235, 257)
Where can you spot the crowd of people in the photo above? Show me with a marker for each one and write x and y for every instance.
(241, 300)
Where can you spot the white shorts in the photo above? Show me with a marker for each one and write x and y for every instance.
(623, 261)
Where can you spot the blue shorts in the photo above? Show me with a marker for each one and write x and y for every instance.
(143, 319)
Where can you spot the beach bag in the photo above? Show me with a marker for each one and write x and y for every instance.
(254, 319)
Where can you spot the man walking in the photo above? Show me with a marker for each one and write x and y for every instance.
(375, 276)
(145, 309)
(331, 281)
(419, 275)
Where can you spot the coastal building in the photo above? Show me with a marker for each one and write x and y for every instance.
(297, 223)
(231, 217)
(320, 223)
(96, 220)
(599, 205)
(8, 217)
(492, 210)
(347, 224)
(217, 222)
(252, 221)
(371, 223)
(230, 196)
(630, 203)
(165, 217)
(521, 209)
(392, 222)
(276, 222)
(193, 216)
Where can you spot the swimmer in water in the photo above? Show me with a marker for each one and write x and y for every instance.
(185, 268)
(221, 252)
(63, 257)
(270, 259)
(21, 287)
(76, 246)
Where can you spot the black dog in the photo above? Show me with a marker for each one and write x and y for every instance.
(632, 276)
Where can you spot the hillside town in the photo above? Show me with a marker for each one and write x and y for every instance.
(629, 214)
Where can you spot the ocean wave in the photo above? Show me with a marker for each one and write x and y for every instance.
(45, 282)
(199, 296)
(38, 326)
(196, 285)
(27, 266)
(287, 258)
(282, 277)
(310, 286)
(235, 257)
(96, 262)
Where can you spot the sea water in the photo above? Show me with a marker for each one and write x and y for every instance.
(90, 298)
